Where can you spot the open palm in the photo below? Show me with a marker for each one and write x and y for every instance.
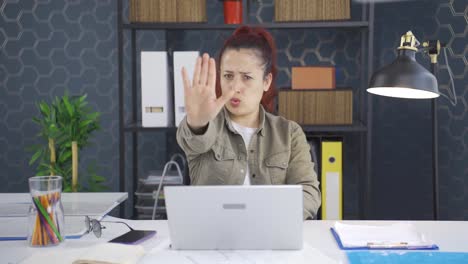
(201, 104)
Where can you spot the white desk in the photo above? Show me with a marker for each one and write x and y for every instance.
(319, 245)
(14, 208)
(99, 203)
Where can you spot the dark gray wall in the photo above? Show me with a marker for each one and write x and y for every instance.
(50, 46)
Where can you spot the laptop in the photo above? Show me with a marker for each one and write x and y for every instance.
(265, 217)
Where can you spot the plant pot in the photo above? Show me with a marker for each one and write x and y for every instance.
(232, 11)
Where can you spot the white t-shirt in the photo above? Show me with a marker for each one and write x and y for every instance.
(246, 133)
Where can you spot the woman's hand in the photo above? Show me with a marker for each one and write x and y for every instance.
(201, 104)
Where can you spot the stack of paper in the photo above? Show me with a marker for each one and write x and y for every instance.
(154, 178)
(394, 236)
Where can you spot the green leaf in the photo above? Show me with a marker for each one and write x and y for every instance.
(85, 123)
(68, 105)
(36, 120)
(35, 156)
(65, 156)
(42, 173)
(98, 178)
(44, 108)
(93, 116)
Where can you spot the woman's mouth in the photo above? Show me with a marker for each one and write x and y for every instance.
(235, 102)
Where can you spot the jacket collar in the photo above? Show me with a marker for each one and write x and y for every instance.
(228, 121)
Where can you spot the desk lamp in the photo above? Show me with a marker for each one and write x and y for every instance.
(406, 78)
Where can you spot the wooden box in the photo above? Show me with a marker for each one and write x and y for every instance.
(312, 10)
(167, 11)
(317, 107)
(313, 77)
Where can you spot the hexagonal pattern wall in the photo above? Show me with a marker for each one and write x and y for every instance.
(47, 47)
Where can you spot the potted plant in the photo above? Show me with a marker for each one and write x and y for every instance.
(65, 127)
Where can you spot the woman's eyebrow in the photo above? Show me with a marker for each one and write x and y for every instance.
(228, 71)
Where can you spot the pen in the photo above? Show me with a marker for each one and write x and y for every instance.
(387, 245)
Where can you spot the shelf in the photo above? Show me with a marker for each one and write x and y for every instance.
(138, 127)
(356, 127)
(205, 26)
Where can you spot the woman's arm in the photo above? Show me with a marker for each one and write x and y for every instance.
(301, 171)
(194, 143)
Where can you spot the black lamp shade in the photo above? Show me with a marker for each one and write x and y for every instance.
(404, 78)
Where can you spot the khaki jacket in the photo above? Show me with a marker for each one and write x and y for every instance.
(278, 154)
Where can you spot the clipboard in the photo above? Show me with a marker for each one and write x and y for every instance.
(382, 246)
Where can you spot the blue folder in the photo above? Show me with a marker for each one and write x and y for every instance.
(389, 247)
(405, 257)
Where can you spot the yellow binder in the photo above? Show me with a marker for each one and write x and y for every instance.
(331, 180)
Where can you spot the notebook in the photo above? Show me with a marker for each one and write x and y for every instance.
(391, 236)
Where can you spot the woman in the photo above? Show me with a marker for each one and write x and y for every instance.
(228, 134)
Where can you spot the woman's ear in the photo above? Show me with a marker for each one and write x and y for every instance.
(267, 82)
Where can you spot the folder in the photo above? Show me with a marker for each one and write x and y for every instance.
(155, 103)
(331, 180)
(399, 236)
(426, 257)
(185, 59)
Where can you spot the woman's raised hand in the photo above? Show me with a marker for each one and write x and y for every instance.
(201, 104)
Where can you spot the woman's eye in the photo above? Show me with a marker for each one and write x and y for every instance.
(228, 76)
(246, 77)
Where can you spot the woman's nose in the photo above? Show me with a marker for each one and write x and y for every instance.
(237, 85)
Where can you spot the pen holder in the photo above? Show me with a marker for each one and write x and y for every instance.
(45, 216)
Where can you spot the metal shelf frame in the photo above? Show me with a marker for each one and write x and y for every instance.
(363, 125)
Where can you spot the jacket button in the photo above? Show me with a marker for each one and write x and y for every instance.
(252, 151)
(253, 175)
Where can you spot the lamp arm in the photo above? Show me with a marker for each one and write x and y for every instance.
(452, 92)
(432, 48)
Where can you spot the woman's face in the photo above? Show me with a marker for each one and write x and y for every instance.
(243, 71)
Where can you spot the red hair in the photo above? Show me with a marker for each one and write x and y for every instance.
(261, 40)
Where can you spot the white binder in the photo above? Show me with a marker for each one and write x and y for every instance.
(185, 59)
(155, 102)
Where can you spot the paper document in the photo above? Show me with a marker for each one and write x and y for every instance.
(307, 255)
(399, 235)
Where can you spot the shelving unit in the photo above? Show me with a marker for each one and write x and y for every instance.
(362, 125)
(204, 26)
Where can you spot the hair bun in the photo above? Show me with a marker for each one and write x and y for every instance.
(242, 30)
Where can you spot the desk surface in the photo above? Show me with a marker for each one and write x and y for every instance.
(17, 204)
(319, 245)
(14, 208)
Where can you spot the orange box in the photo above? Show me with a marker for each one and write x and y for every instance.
(313, 77)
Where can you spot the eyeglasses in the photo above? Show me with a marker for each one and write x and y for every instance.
(96, 227)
